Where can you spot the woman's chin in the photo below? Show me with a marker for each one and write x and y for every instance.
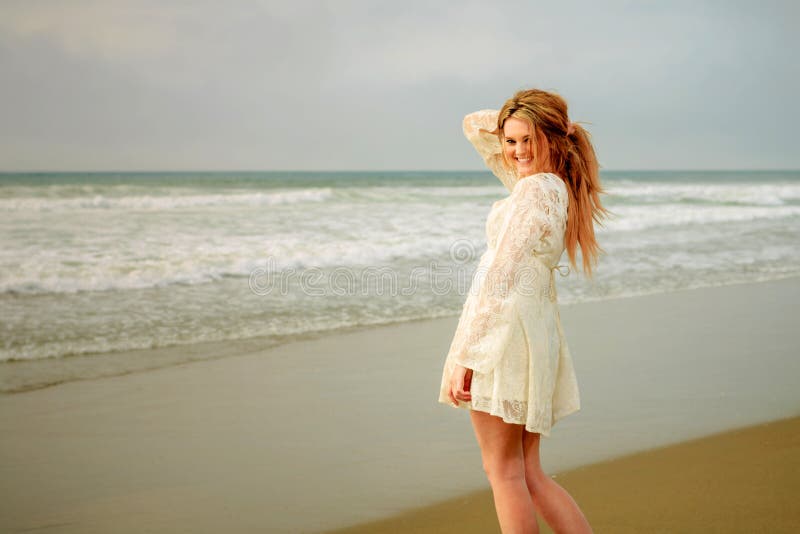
(527, 170)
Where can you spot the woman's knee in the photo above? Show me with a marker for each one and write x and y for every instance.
(501, 469)
(535, 479)
(501, 447)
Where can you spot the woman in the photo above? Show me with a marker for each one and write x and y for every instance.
(509, 362)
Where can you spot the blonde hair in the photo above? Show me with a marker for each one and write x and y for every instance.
(571, 156)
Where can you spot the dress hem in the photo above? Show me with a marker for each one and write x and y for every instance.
(543, 431)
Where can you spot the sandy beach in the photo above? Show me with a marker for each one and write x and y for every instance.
(745, 480)
(345, 430)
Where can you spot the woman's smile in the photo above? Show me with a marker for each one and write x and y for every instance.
(517, 145)
(524, 162)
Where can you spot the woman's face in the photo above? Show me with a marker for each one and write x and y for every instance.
(518, 146)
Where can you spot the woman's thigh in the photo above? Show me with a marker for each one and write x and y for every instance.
(501, 444)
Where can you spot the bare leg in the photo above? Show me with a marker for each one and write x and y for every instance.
(504, 463)
(552, 501)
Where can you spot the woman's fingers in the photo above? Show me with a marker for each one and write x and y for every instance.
(450, 394)
(451, 390)
(458, 391)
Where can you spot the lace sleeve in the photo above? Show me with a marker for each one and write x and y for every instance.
(484, 328)
(477, 129)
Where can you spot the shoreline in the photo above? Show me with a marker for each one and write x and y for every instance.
(665, 489)
(345, 429)
(152, 359)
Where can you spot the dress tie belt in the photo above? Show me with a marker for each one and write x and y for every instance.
(553, 296)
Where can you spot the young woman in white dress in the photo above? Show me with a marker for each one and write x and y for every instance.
(509, 362)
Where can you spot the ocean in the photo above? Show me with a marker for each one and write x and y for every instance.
(110, 273)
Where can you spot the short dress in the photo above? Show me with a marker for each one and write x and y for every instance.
(509, 332)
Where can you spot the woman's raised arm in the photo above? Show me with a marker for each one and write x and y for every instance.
(477, 128)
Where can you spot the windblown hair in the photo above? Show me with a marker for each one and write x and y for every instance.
(571, 156)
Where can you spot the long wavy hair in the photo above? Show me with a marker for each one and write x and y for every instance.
(572, 157)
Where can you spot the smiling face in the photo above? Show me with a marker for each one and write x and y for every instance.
(520, 148)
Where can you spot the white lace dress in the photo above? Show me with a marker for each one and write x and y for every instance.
(509, 332)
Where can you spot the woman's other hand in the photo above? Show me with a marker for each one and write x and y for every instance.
(460, 382)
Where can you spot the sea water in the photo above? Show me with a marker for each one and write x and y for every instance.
(107, 273)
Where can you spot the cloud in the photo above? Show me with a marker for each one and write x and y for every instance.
(106, 30)
(402, 47)
(171, 44)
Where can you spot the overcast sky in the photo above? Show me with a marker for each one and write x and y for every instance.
(337, 85)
